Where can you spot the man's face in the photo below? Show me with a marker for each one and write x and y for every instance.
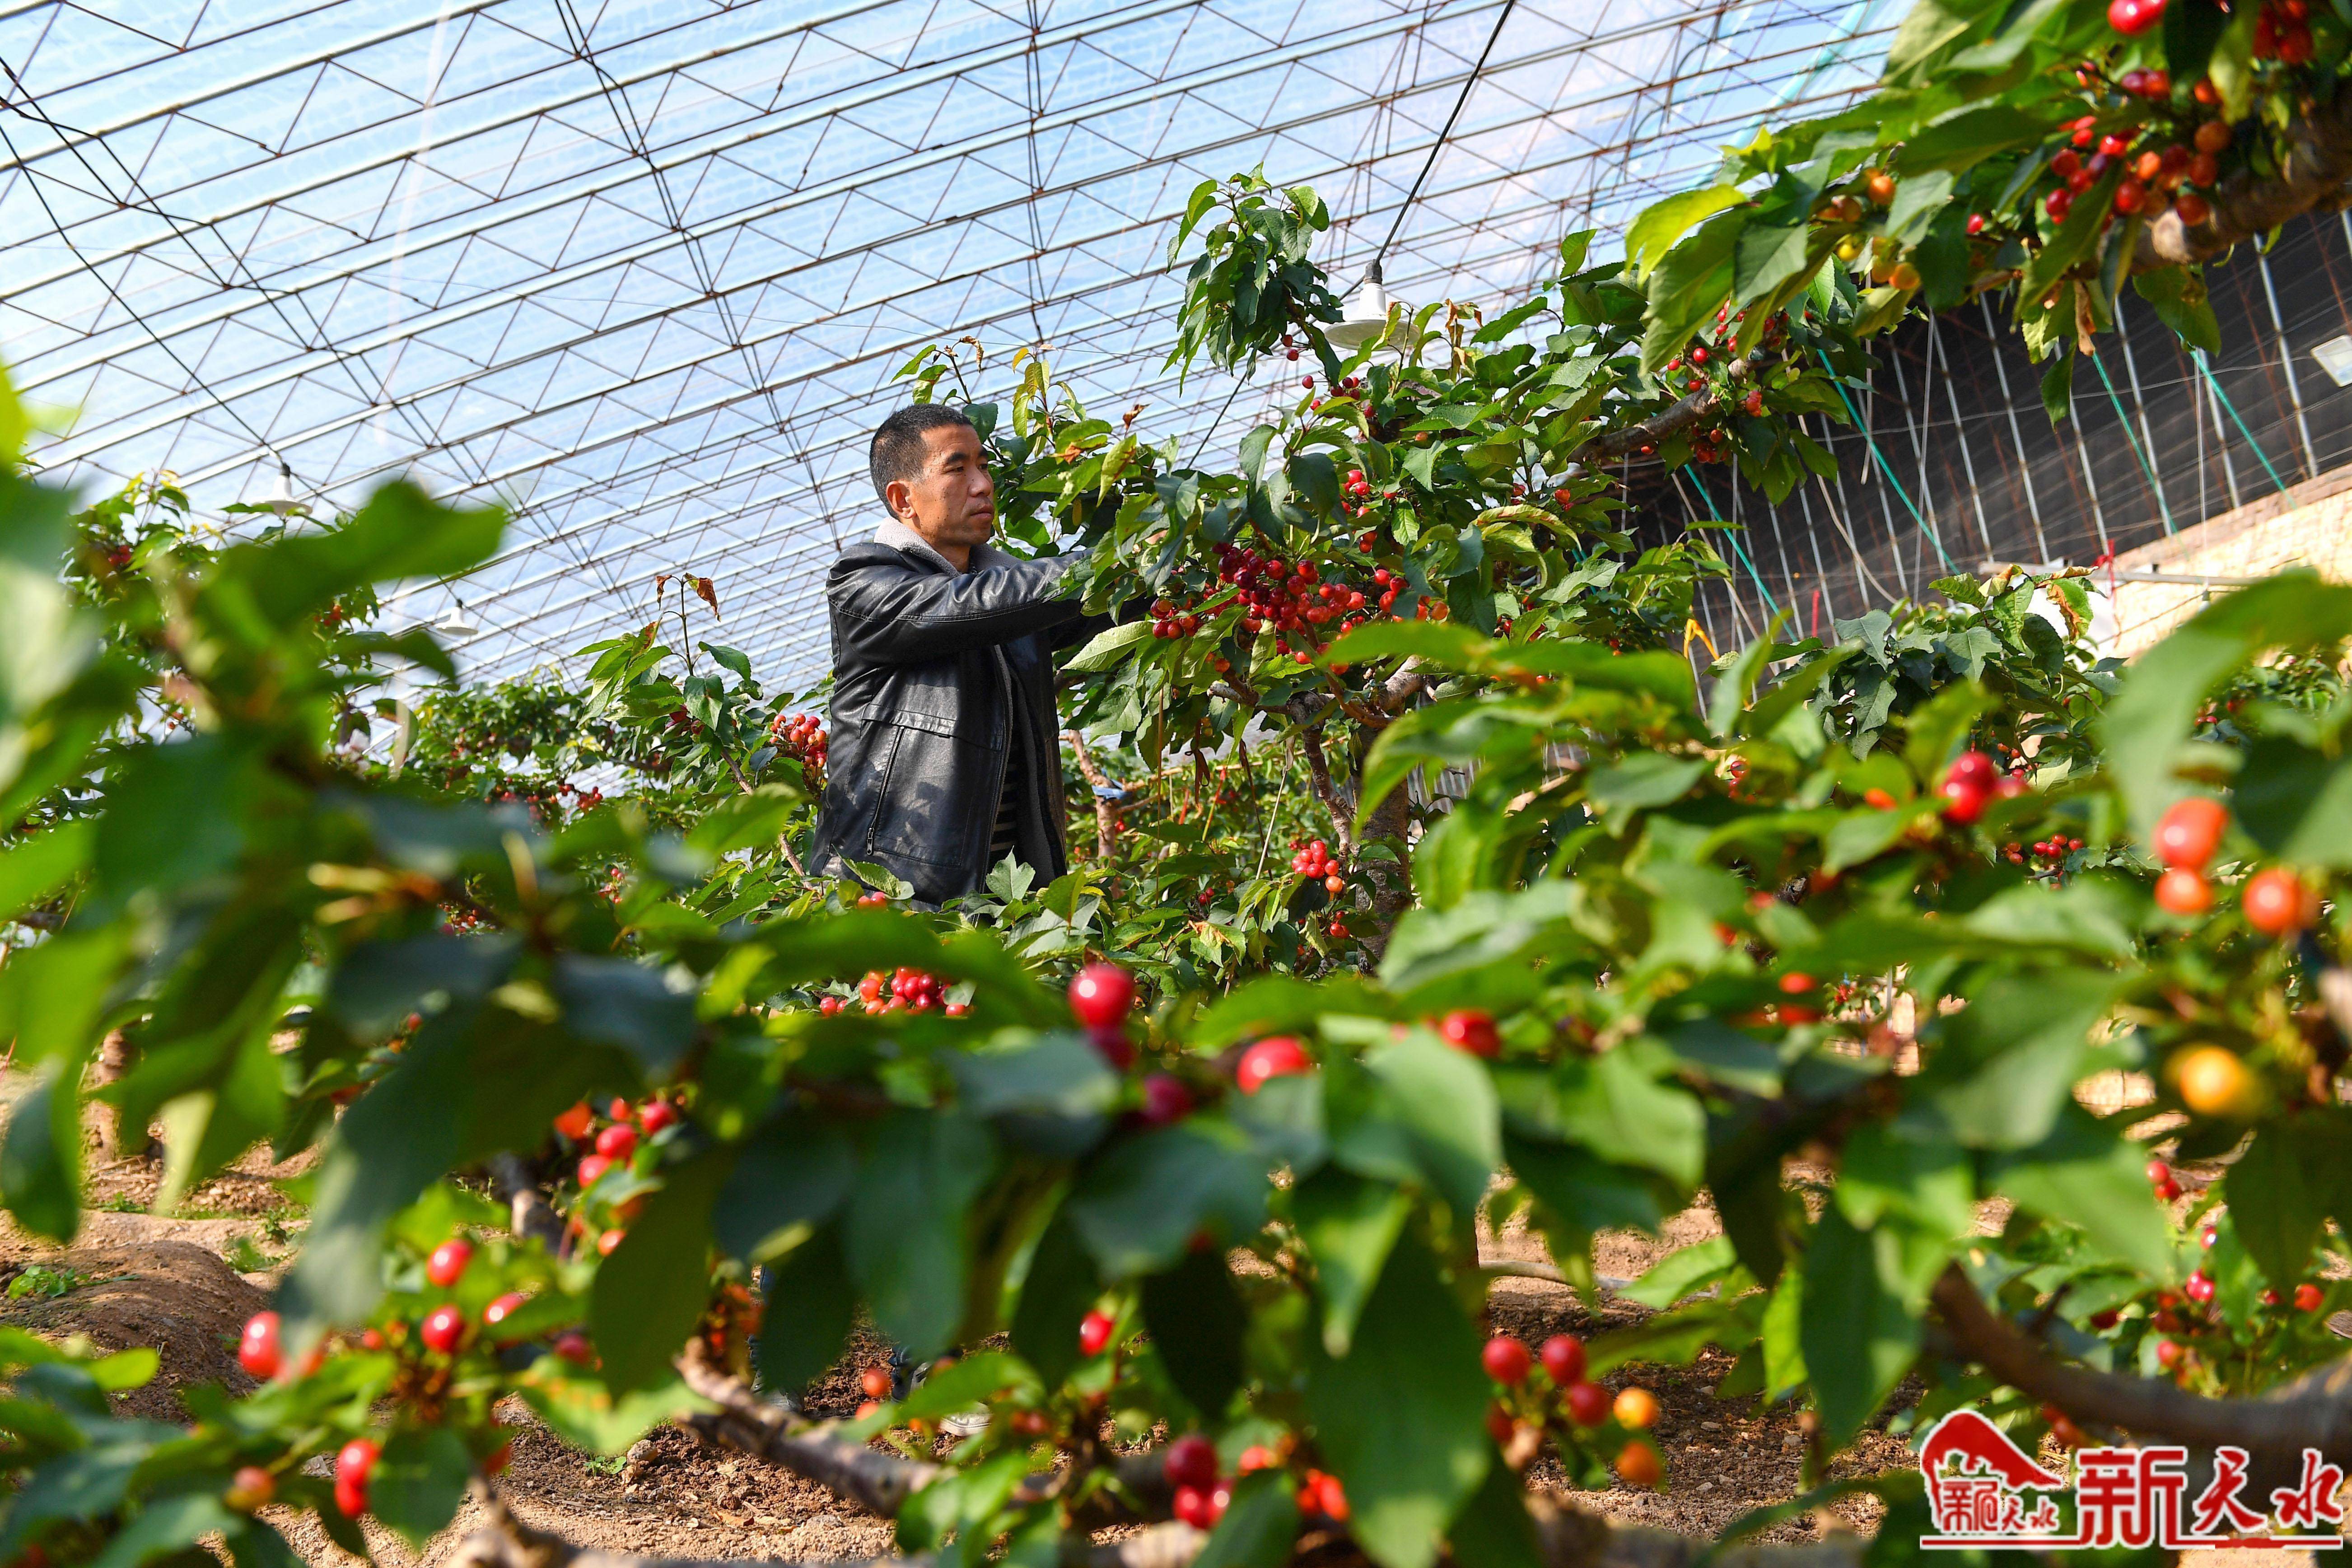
(952, 503)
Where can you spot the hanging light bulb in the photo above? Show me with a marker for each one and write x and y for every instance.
(457, 623)
(281, 499)
(1364, 316)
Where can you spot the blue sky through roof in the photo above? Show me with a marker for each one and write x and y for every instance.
(645, 271)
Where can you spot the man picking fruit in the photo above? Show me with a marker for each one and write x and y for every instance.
(943, 757)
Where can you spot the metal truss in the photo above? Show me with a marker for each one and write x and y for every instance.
(644, 272)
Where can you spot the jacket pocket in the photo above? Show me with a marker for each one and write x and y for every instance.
(927, 810)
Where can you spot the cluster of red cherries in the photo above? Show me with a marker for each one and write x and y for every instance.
(2043, 852)
(2153, 175)
(1292, 598)
(444, 1331)
(1517, 1420)
(801, 737)
(1314, 860)
(2276, 900)
(1972, 783)
(2282, 32)
(906, 989)
(1706, 442)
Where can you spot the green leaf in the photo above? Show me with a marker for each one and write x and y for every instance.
(1480, 930)
(650, 1293)
(1058, 1289)
(906, 1232)
(751, 821)
(1260, 1525)
(1687, 284)
(1681, 1272)
(1349, 1224)
(792, 1174)
(1197, 1322)
(1431, 1119)
(1858, 1335)
(1494, 1529)
(621, 1002)
(1139, 1207)
(1107, 648)
(1401, 1416)
(2086, 1174)
(2177, 293)
(1643, 780)
(2277, 1195)
(809, 1306)
(420, 1479)
(1966, 137)
(2013, 1056)
(1651, 235)
(40, 866)
(2145, 729)
(40, 1162)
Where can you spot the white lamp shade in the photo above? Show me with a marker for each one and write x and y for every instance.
(1366, 317)
(281, 498)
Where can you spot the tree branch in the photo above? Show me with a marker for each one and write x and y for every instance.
(1105, 818)
(2314, 1411)
(2315, 173)
(1694, 409)
(532, 1216)
(878, 1482)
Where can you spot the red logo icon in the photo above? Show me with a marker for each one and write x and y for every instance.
(1985, 1490)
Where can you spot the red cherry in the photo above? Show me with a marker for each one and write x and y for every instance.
(591, 1167)
(449, 1261)
(1165, 1099)
(1976, 768)
(659, 1114)
(2158, 1173)
(2275, 901)
(505, 1306)
(1101, 996)
(1588, 1404)
(1795, 984)
(1194, 1507)
(1563, 1359)
(1191, 1461)
(2198, 1288)
(2181, 892)
(620, 1109)
(354, 1463)
(258, 1352)
(2307, 1297)
(1963, 801)
(1093, 1333)
(1275, 1056)
(1507, 1360)
(575, 1123)
(444, 1329)
(571, 1345)
(1471, 1030)
(617, 1143)
(2167, 1353)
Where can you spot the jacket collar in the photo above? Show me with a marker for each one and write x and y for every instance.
(906, 541)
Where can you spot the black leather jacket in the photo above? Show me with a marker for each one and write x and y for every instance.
(937, 675)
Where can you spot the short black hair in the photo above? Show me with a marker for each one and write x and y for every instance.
(898, 450)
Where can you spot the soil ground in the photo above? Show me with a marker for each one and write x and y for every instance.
(185, 1285)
